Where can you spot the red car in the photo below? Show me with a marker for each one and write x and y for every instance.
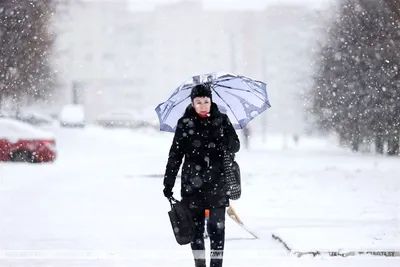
(21, 142)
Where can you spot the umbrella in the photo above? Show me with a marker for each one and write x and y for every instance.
(240, 97)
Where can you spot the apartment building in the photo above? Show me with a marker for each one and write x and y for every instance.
(121, 58)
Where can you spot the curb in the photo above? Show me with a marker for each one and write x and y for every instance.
(338, 253)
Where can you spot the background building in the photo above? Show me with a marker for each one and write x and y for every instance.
(122, 58)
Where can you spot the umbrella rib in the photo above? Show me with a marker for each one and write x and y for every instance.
(174, 105)
(233, 88)
(177, 103)
(264, 100)
(230, 87)
(258, 88)
(228, 107)
(247, 78)
(187, 86)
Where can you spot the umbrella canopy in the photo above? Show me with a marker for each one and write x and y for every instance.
(240, 97)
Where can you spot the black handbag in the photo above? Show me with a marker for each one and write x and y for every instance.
(232, 176)
(181, 222)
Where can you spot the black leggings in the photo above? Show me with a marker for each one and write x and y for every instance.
(216, 232)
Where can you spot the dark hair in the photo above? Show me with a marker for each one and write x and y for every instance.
(200, 90)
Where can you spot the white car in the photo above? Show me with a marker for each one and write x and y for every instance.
(72, 115)
(35, 117)
(118, 119)
(134, 119)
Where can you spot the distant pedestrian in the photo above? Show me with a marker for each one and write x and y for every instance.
(246, 136)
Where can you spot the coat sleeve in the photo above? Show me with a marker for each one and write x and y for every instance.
(175, 157)
(231, 138)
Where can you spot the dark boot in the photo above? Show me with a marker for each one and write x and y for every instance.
(199, 258)
(200, 263)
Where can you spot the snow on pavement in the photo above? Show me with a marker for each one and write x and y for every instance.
(99, 197)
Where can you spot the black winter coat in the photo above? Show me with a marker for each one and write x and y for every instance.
(200, 142)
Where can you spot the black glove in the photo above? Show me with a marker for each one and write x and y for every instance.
(168, 192)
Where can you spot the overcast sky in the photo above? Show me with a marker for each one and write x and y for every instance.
(229, 4)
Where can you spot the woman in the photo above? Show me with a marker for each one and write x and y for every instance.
(201, 136)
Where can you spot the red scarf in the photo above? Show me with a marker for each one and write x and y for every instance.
(203, 115)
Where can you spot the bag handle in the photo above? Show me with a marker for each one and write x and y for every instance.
(172, 199)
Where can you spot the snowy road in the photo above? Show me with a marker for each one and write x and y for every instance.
(101, 203)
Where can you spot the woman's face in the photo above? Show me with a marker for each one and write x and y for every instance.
(202, 105)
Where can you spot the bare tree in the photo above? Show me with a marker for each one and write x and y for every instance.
(394, 6)
(357, 92)
(26, 43)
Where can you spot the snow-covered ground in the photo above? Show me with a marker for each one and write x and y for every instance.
(101, 204)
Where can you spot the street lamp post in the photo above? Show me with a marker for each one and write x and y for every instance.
(264, 76)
